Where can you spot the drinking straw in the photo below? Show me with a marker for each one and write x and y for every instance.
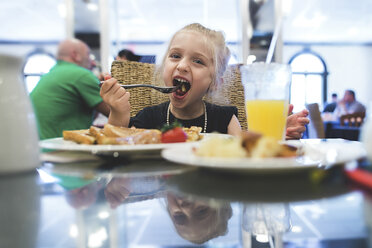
(274, 39)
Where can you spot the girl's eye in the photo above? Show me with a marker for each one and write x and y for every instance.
(199, 61)
(174, 56)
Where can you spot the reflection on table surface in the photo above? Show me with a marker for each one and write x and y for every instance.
(154, 203)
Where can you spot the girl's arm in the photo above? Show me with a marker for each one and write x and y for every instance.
(234, 127)
(117, 99)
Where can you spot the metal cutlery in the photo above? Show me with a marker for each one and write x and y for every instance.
(165, 90)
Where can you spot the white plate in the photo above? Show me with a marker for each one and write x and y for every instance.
(115, 150)
(318, 153)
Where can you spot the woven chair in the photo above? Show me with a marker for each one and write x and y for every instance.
(129, 72)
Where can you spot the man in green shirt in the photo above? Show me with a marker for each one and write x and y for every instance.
(67, 96)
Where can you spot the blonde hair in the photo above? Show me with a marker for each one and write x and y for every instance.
(217, 44)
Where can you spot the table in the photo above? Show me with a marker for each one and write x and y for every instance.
(154, 203)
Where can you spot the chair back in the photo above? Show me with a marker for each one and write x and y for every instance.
(352, 120)
(130, 72)
(316, 125)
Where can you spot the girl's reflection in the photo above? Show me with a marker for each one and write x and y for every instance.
(117, 190)
(83, 197)
(196, 221)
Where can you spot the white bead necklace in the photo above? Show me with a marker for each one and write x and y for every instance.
(205, 117)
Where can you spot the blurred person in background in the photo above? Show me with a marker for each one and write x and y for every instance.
(67, 97)
(330, 107)
(126, 54)
(348, 105)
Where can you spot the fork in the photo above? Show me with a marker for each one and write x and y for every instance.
(164, 90)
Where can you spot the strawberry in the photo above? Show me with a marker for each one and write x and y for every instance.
(173, 133)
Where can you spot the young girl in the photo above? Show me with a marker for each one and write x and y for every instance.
(196, 60)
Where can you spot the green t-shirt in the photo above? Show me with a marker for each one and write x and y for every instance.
(64, 99)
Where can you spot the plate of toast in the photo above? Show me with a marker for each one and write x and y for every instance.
(262, 154)
(114, 141)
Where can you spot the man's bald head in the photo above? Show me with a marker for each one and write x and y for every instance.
(75, 51)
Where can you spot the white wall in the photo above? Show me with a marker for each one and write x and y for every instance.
(349, 67)
(22, 50)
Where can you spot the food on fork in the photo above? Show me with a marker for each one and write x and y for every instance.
(247, 144)
(114, 135)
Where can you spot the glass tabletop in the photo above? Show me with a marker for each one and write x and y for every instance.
(154, 203)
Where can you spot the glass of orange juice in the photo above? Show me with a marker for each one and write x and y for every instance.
(266, 91)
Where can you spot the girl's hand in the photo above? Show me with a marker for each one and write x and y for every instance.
(117, 98)
(296, 123)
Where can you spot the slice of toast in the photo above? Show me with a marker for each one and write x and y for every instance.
(127, 136)
(82, 136)
(115, 131)
(113, 135)
(150, 136)
(102, 139)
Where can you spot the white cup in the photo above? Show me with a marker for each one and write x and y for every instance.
(19, 150)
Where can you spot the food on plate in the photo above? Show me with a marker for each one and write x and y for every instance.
(115, 131)
(193, 133)
(221, 146)
(114, 135)
(174, 135)
(247, 144)
(267, 147)
(249, 141)
(79, 136)
(132, 136)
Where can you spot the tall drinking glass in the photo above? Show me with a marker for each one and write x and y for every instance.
(266, 91)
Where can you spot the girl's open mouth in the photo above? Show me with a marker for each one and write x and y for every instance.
(183, 86)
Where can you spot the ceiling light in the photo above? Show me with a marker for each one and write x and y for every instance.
(62, 10)
(92, 6)
(251, 59)
(74, 232)
(262, 238)
(103, 215)
(296, 229)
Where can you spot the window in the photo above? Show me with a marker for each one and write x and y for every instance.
(309, 79)
(37, 64)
